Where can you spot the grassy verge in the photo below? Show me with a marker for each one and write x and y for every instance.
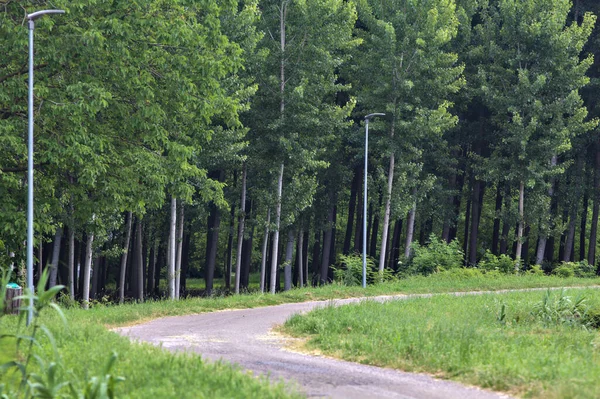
(85, 343)
(135, 313)
(495, 341)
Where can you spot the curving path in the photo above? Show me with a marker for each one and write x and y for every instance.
(244, 337)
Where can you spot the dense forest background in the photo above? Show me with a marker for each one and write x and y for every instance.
(212, 139)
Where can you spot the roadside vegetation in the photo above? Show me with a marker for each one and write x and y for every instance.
(531, 344)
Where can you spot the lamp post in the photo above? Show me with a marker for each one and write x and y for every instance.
(364, 276)
(31, 23)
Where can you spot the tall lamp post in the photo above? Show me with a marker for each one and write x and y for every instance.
(364, 276)
(31, 23)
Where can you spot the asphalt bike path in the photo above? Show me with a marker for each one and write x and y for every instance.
(245, 337)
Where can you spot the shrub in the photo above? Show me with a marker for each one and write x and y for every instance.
(503, 263)
(351, 269)
(435, 256)
(577, 269)
(564, 271)
(536, 270)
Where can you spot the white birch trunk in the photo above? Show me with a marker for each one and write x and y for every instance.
(87, 271)
(520, 228)
(276, 233)
(263, 262)
(124, 258)
(171, 255)
(240, 238)
(179, 252)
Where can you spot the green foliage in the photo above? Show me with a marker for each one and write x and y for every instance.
(536, 270)
(502, 263)
(577, 269)
(564, 271)
(436, 256)
(561, 309)
(350, 272)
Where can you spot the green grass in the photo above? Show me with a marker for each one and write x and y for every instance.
(463, 338)
(134, 313)
(85, 344)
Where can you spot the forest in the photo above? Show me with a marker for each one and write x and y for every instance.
(179, 139)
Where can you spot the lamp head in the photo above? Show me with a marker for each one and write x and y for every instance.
(373, 115)
(35, 15)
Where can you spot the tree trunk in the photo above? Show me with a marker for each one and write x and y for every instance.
(124, 258)
(475, 212)
(316, 258)
(582, 227)
(179, 251)
(247, 249)
(185, 261)
(71, 279)
(591, 254)
(410, 225)
(496, 229)
(94, 276)
(326, 247)
(55, 257)
(241, 220)
(152, 268)
(332, 253)
(172, 249)
(263, 261)
(229, 249)
(86, 271)
(359, 216)
(570, 237)
(139, 262)
(300, 258)
(351, 210)
(450, 221)
(460, 182)
(395, 254)
(275, 255)
(212, 241)
(287, 269)
(374, 233)
(543, 234)
(521, 226)
(388, 206)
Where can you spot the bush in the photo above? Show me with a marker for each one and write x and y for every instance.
(575, 269)
(435, 256)
(536, 270)
(564, 271)
(503, 263)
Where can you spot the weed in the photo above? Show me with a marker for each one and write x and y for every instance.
(561, 309)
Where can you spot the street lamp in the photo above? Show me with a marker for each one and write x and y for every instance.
(31, 23)
(364, 276)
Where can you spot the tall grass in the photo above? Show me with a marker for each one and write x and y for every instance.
(495, 341)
